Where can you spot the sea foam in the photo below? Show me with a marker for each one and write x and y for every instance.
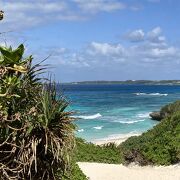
(80, 130)
(129, 122)
(143, 115)
(119, 136)
(150, 94)
(95, 116)
(98, 127)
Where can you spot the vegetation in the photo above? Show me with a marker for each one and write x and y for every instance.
(160, 145)
(36, 133)
(131, 82)
(75, 173)
(169, 109)
(88, 152)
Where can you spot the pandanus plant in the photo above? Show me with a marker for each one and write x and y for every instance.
(36, 131)
(11, 68)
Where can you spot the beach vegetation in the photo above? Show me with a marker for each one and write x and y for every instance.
(89, 152)
(36, 130)
(75, 173)
(169, 109)
(158, 146)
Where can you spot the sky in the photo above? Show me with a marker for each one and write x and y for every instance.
(87, 40)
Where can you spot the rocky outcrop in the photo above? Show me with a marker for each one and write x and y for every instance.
(156, 116)
(166, 111)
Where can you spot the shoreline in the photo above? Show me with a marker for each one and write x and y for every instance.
(116, 140)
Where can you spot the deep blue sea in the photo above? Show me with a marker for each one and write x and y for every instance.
(112, 111)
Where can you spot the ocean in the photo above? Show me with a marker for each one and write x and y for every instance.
(116, 111)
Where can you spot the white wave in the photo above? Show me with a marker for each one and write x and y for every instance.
(129, 122)
(80, 130)
(143, 115)
(132, 133)
(158, 94)
(98, 127)
(89, 117)
(138, 94)
(150, 94)
(123, 137)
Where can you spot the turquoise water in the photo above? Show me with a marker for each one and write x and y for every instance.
(111, 111)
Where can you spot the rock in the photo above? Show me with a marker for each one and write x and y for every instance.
(156, 116)
(135, 156)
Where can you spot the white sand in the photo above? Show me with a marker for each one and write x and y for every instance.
(117, 141)
(99, 171)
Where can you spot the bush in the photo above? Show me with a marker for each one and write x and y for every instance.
(169, 109)
(36, 133)
(75, 173)
(88, 152)
(160, 145)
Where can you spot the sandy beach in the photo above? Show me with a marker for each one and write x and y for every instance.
(117, 140)
(100, 171)
(106, 141)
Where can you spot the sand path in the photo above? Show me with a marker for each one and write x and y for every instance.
(100, 171)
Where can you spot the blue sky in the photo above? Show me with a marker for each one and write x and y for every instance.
(98, 39)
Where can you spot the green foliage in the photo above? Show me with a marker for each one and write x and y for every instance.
(74, 173)
(160, 145)
(36, 133)
(88, 152)
(11, 57)
(169, 109)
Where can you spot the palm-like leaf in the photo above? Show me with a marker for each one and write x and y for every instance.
(11, 57)
(36, 131)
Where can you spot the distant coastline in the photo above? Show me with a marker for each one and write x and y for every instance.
(129, 82)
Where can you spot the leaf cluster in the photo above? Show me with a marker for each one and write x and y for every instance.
(36, 131)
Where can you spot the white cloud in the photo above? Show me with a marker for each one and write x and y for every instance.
(155, 32)
(94, 6)
(155, 35)
(136, 36)
(169, 52)
(21, 14)
(24, 14)
(105, 49)
(149, 51)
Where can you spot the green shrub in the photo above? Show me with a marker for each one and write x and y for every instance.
(88, 152)
(75, 173)
(169, 109)
(160, 145)
(36, 133)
